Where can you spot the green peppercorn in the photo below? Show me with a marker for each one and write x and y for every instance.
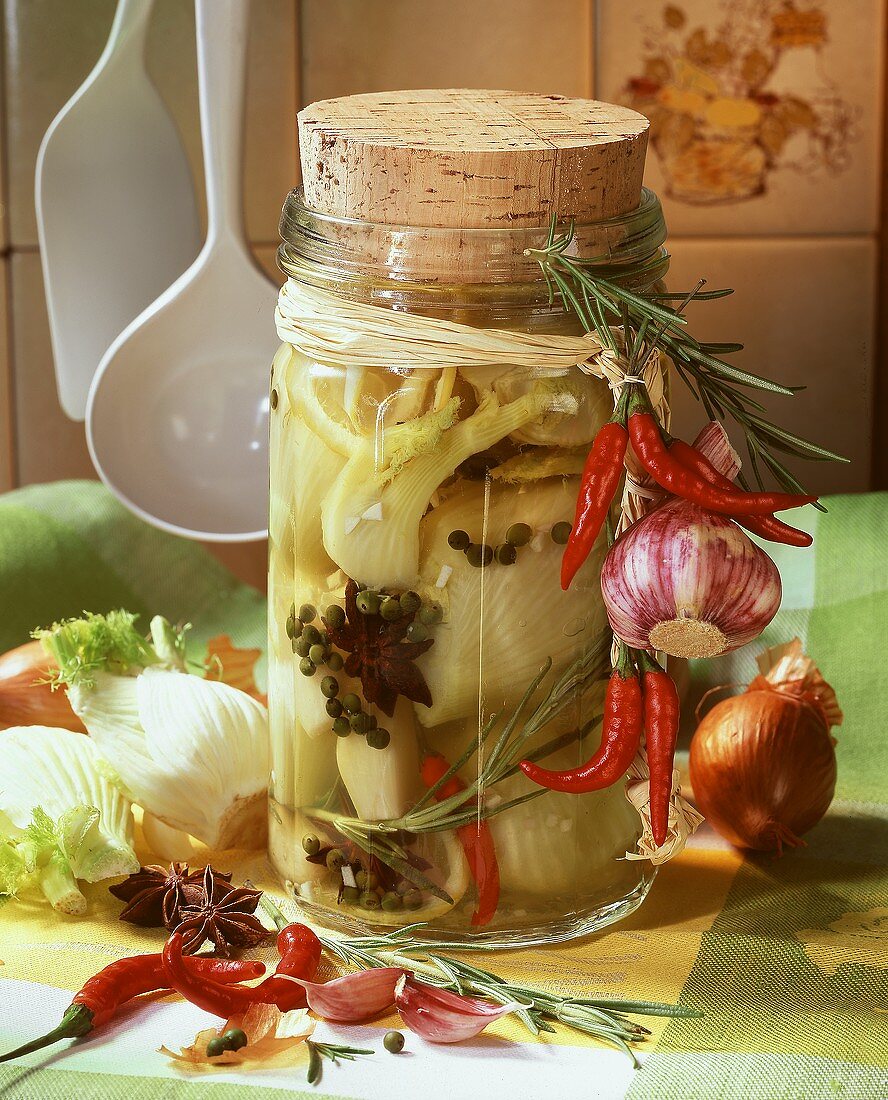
(431, 614)
(307, 666)
(370, 899)
(416, 632)
(367, 880)
(391, 901)
(301, 646)
(310, 844)
(291, 626)
(336, 859)
(560, 533)
(350, 895)
(308, 613)
(367, 602)
(378, 739)
(394, 1040)
(412, 899)
(362, 723)
(334, 616)
(410, 602)
(334, 661)
(341, 727)
(458, 540)
(505, 554)
(390, 609)
(318, 653)
(215, 1047)
(479, 554)
(519, 534)
(311, 634)
(334, 707)
(351, 703)
(234, 1039)
(330, 689)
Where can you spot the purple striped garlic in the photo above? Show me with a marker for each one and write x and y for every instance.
(689, 583)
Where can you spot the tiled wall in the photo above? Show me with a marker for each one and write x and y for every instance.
(801, 251)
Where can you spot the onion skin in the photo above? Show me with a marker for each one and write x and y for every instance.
(688, 582)
(763, 769)
(24, 699)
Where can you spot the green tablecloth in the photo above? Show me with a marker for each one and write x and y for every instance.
(788, 958)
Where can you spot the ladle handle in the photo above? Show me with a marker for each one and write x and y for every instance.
(222, 27)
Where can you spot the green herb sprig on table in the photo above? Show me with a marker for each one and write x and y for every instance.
(318, 1051)
(603, 1018)
(649, 322)
(381, 838)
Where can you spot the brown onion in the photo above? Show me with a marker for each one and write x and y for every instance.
(763, 763)
(26, 697)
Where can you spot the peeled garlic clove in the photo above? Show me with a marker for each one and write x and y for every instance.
(444, 1017)
(689, 583)
(353, 997)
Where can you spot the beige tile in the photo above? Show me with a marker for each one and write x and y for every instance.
(266, 257)
(51, 45)
(351, 46)
(794, 335)
(7, 465)
(49, 446)
(765, 121)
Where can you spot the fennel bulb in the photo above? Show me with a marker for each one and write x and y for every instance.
(64, 816)
(525, 616)
(192, 752)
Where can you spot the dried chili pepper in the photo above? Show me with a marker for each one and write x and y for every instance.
(476, 839)
(300, 952)
(620, 737)
(598, 484)
(201, 990)
(678, 479)
(662, 712)
(120, 981)
(768, 527)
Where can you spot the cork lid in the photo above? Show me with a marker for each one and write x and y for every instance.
(462, 159)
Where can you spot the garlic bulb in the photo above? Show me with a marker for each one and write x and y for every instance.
(689, 583)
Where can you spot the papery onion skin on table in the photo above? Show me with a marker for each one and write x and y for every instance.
(688, 582)
(763, 763)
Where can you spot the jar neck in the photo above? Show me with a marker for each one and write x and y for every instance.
(430, 269)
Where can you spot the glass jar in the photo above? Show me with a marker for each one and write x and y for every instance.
(414, 599)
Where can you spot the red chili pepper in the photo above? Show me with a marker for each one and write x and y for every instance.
(668, 472)
(662, 712)
(598, 484)
(300, 952)
(104, 993)
(476, 839)
(620, 737)
(221, 1000)
(768, 527)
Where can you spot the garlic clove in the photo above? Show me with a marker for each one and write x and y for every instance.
(444, 1017)
(353, 997)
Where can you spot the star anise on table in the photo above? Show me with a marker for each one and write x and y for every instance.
(379, 656)
(224, 915)
(154, 895)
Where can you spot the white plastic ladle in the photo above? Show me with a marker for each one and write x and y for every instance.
(116, 213)
(177, 417)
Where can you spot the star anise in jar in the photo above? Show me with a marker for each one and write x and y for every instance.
(379, 655)
(224, 915)
(155, 895)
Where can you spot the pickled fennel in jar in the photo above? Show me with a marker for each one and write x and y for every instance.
(431, 412)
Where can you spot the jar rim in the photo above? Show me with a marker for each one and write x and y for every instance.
(427, 254)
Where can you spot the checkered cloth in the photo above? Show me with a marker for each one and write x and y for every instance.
(788, 958)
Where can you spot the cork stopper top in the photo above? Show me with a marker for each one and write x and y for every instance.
(463, 159)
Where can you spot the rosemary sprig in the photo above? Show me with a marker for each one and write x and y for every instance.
(318, 1051)
(603, 305)
(380, 838)
(603, 1018)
